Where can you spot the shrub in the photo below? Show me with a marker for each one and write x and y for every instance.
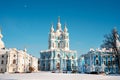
(31, 69)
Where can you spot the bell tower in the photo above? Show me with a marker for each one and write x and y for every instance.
(51, 38)
(66, 38)
(59, 39)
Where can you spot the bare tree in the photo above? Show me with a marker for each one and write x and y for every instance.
(111, 41)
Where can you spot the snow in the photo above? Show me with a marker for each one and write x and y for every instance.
(56, 76)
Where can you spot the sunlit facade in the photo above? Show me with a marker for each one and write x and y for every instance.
(13, 60)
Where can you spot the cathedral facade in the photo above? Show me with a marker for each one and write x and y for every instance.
(13, 60)
(58, 56)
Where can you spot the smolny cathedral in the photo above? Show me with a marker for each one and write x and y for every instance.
(58, 56)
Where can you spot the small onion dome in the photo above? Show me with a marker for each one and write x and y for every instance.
(52, 29)
(65, 29)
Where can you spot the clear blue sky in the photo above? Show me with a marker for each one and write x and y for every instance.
(26, 23)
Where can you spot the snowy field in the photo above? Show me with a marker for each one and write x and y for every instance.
(56, 76)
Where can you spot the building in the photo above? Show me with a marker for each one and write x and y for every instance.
(58, 56)
(13, 60)
(81, 63)
(102, 60)
(99, 61)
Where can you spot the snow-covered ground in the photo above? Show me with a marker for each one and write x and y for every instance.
(56, 76)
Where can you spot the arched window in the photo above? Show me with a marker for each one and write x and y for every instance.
(66, 37)
(6, 56)
(1, 70)
(96, 62)
(2, 56)
(48, 56)
(14, 61)
(38, 62)
(104, 57)
(14, 55)
(58, 55)
(44, 65)
(2, 62)
(14, 69)
(108, 63)
(49, 64)
(43, 57)
(104, 63)
(96, 56)
(58, 65)
(113, 62)
(59, 38)
(58, 45)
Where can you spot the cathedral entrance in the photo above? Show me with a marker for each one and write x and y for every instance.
(58, 66)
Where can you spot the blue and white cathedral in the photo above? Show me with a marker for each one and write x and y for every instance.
(58, 56)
